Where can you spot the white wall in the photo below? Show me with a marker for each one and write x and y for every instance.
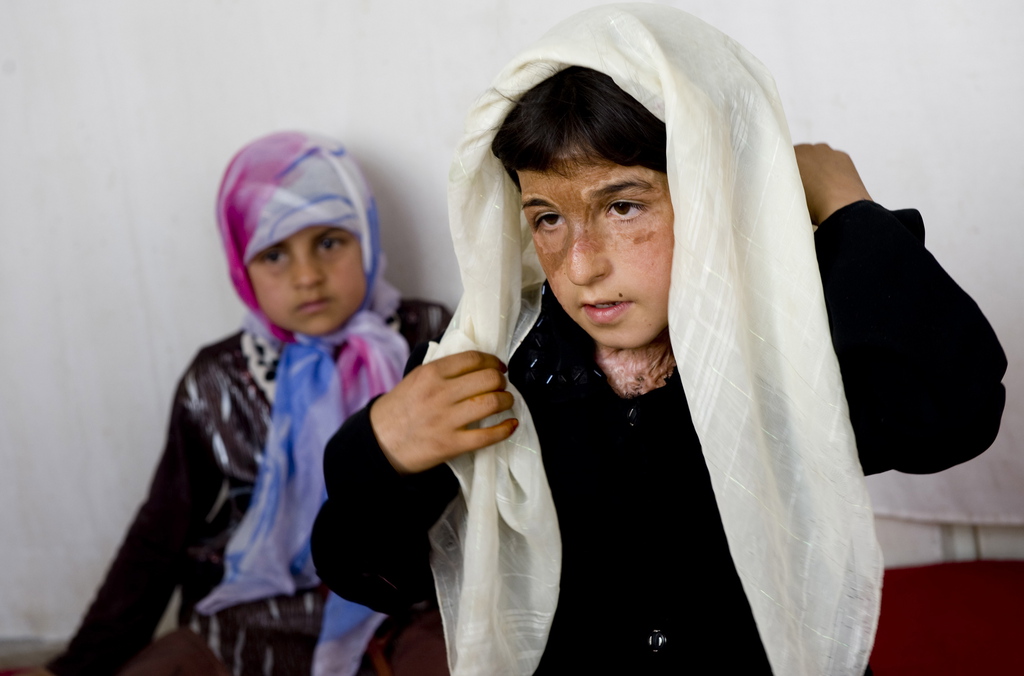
(117, 117)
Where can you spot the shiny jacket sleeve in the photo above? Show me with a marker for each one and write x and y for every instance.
(149, 564)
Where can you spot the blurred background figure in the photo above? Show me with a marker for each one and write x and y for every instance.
(231, 507)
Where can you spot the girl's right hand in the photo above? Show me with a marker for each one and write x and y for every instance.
(830, 180)
(423, 421)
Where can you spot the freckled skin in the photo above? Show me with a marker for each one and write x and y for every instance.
(311, 282)
(603, 233)
(643, 238)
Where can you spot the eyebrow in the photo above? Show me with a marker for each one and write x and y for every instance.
(602, 193)
(615, 188)
(536, 202)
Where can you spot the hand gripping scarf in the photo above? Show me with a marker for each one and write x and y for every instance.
(273, 188)
(750, 335)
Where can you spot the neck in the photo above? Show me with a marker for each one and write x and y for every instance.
(636, 371)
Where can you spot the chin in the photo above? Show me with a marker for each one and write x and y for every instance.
(630, 334)
(620, 340)
(309, 328)
(321, 331)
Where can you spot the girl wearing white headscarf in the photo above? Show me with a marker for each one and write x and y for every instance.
(607, 528)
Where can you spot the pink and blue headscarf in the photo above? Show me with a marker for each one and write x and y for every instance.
(273, 188)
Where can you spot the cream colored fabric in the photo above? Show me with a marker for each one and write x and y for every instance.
(750, 334)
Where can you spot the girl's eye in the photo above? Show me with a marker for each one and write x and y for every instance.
(547, 220)
(272, 256)
(626, 209)
(334, 241)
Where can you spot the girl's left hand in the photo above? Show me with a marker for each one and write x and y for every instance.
(830, 180)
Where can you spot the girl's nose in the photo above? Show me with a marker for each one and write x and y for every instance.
(307, 272)
(587, 260)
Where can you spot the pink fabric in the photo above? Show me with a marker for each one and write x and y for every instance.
(364, 372)
(249, 183)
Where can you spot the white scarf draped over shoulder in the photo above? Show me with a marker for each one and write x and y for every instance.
(750, 334)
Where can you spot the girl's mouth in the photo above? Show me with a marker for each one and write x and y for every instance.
(606, 313)
(312, 306)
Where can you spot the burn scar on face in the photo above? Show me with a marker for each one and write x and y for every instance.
(604, 237)
(643, 237)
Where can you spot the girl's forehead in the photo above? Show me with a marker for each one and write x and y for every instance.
(288, 213)
(589, 181)
(314, 232)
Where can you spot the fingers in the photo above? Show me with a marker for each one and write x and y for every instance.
(829, 178)
(475, 383)
(426, 419)
(479, 407)
(462, 376)
(482, 437)
(479, 395)
(462, 363)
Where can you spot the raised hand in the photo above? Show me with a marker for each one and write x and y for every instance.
(830, 180)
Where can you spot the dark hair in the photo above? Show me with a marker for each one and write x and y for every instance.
(578, 115)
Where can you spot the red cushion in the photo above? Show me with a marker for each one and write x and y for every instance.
(952, 618)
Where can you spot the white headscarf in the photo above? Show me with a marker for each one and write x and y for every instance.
(750, 335)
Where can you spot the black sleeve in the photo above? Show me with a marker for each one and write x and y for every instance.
(134, 595)
(370, 539)
(921, 366)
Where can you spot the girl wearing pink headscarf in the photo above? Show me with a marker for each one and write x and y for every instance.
(232, 504)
